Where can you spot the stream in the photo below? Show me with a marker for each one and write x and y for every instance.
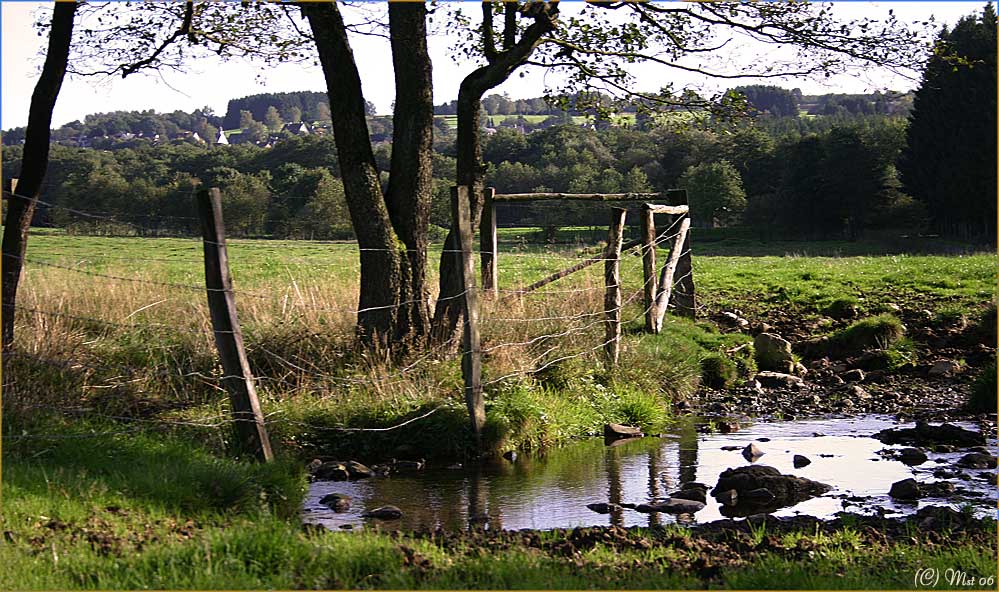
(552, 490)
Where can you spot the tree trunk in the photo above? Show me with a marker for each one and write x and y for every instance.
(34, 161)
(470, 169)
(380, 258)
(470, 172)
(411, 181)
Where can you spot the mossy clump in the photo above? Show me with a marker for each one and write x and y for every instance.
(983, 391)
(641, 409)
(842, 308)
(985, 328)
(878, 332)
(717, 371)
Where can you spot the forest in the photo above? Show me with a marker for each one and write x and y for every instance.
(833, 174)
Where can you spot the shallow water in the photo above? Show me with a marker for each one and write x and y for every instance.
(552, 491)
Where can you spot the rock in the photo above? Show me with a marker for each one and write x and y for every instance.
(613, 431)
(944, 368)
(925, 434)
(697, 495)
(603, 508)
(778, 380)
(773, 353)
(754, 385)
(671, 506)
(752, 452)
(510, 455)
(727, 427)
(382, 470)
(977, 460)
(855, 375)
(359, 471)
(693, 485)
(912, 456)
(798, 369)
(408, 465)
(628, 505)
(856, 393)
(347, 526)
(764, 439)
(729, 448)
(733, 320)
(729, 497)
(331, 471)
(758, 496)
(313, 466)
(801, 461)
(786, 489)
(906, 489)
(337, 502)
(384, 513)
(939, 489)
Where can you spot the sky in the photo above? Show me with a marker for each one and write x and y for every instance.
(212, 84)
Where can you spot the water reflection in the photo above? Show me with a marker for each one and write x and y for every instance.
(552, 491)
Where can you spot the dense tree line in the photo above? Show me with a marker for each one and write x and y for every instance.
(829, 183)
(950, 160)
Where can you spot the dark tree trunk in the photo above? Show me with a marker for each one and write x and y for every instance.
(380, 257)
(470, 169)
(411, 181)
(35, 160)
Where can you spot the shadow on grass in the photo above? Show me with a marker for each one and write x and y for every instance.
(169, 472)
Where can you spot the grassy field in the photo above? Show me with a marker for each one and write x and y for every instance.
(117, 468)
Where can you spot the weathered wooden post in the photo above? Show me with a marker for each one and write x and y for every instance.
(684, 300)
(612, 283)
(649, 266)
(489, 244)
(471, 358)
(669, 271)
(238, 380)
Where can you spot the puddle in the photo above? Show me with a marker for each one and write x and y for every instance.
(552, 491)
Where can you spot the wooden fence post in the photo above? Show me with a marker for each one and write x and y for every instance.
(649, 267)
(238, 380)
(612, 283)
(471, 358)
(684, 300)
(668, 273)
(488, 244)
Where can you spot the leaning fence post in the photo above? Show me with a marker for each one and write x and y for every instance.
(488, 244)
(649, 266)
(471, 358)
(238, 380)
(684, 300)
(612, 283)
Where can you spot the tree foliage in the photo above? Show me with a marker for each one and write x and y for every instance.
(949, 162)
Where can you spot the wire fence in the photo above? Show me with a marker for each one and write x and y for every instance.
(118, 322)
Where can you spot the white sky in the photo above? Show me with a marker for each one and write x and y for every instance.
(213, 84)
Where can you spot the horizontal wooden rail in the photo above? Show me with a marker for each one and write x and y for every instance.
(672, 210)
(573, 269)
(577, 196)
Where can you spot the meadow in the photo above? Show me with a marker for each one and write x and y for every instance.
(117, 468)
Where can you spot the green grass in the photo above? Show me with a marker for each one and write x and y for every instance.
(155, 499)
(984, 391)
(70, 531)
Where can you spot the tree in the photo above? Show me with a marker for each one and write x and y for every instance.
(35, 160)
(272, 119)
(245, 119)
(591, 49)
(949, 163)
(715, 193)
